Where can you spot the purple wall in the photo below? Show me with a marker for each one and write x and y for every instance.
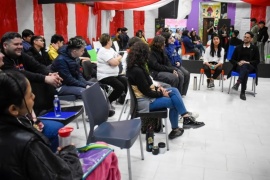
(193, 17)
(231, 12)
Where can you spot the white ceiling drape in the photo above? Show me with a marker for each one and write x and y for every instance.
(153, 6)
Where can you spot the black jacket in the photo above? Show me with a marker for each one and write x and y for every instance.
(43, 59)
(123, 37)
(25, 154)
(254, 58)
(159, 62)
(137, 76)
(33, 70)
(69, 69)
(262, 35)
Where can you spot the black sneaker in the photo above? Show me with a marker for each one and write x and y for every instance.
(189, 122)
(208, 83)
(176, 133)
(235, 87)
(111, 112)
(211, 84)
(243, 96)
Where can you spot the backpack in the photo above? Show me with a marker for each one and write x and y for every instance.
(156, 123)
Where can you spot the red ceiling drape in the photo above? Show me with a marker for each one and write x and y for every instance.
(117, 22)
(82, 17)
(98, 33)
(38, 18)
(61, 19)
(129, 4)
(8, 16)
(258, 2)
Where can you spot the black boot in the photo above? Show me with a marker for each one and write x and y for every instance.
(189, 122)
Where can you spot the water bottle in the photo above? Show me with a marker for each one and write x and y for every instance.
(149, 138)
(64, 136)
(195, 83)
(57, 106)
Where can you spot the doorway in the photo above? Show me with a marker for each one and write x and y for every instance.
(206, 24)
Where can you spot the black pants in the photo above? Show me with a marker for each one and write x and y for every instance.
(207, 71)
(119, 85)
(243, 71)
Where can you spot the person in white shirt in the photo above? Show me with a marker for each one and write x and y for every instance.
(108, 68)
(213, 60)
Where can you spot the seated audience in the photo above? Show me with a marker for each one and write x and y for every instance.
(67, 65)
(140, 34)
(47, 127)
(190, 47)
(123, 39)
(154, 98)
(223, 35)
(234, 41)
(213, 60)
(245, 60)
(37, 50)
(108, 68)
(175, 59)
(57, 41)
(42, 81)
(25, 152)
(160, 66)
(26, 36)
(197, 42)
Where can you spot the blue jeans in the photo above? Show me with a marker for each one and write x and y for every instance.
(50, 130)
(174, 103)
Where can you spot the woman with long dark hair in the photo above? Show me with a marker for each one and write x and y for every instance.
(151, 97)
(25, 151)
(213, 60)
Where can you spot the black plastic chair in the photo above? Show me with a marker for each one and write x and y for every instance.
(162, 113)
(122, 134)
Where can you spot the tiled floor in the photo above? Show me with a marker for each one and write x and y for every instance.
(233, 145)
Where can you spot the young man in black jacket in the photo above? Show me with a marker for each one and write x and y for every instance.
(245, 59)
(262, 38)
(39, 76)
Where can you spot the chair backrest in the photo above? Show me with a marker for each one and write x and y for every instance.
(87, 69)
(183, 48)
(96, 106)
(230, 52)
(133, 101)
(88, 47)
(115, 43)
(97, 45)
(93, 54)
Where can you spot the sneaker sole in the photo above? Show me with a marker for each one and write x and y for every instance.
(192, 126)
(176, 136)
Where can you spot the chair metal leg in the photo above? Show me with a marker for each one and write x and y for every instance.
(128, 114)
(202, 78)
(85, 127)
(142, 155)
(200, 82)
(166, 134)
(254, 86)
(77, 123)
(222, 80)
(127, 101)
(122, 110)
(129, 165)
(230, 86)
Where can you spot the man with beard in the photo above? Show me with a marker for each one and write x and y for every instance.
(245, 59)
(39, 76)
